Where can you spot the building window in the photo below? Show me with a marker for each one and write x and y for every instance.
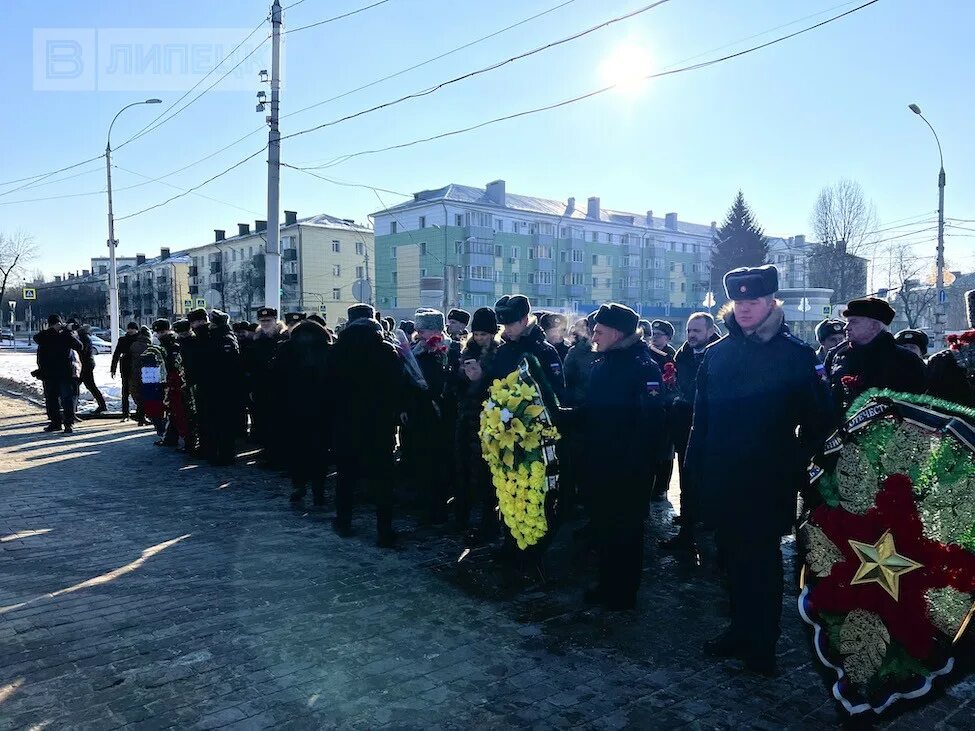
(360, 272)
(531, 277)
(395, 277)
(531, 252)
(392, 252)
(360, 248)
(336, 247)
(533, 228)
(544, 252)
(458, 247)
(392, 227)
(595, 237)
(673, 246)
(625, 239)
(336, 294)
(458, 219)
(460, 272)
(577, 256)
(563, 256)
(336, 270)
(683, 287)
(514, 252)
(480, 272)
(497, 252)
(499, 224)
(673, 266)
(423, 248)
(673, 286)
(609, 238)
(595, 282)
(423, 222)
(609, 282)
(683, 248)
(497, 275)
(595, 261)
(514, 277)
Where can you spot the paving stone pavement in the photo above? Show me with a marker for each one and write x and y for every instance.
(142, 589)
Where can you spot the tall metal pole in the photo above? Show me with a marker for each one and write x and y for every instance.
(272, 249)
(113, 313)
(939, 310)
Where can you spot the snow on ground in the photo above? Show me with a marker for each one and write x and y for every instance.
(15, 371)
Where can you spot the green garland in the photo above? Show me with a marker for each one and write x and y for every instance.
(913, 398)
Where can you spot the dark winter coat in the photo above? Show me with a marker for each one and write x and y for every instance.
(578, 365)
(87, 350)
(195, 351)
(304, 395)
(623, 424)
(531, 342)
(946, 379)
(121, 358)
(140, 343)
(562, 349)
(881, 363)
(224, 376)
(54, 353)
(369, 388)
(744, 457)
(687, 363)
(259, 358)
(467, 440)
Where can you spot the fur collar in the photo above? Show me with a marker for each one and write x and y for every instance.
(627, 342)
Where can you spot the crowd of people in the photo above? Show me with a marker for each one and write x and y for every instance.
(742, 404)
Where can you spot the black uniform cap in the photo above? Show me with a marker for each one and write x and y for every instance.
(619, 317)
(241, 327)
(407, 326)
(510, 309)
(198, 315)
(749, 283)
(267, 312)
(829, 327)
(460, 315)
(913, 337)
(360, 310)
(663, 326)
(290, 318)
(484, 321)
(181, 326)
(161, 325)
(872, 307)
(252, 327)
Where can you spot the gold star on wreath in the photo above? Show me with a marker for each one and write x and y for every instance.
(880, 563)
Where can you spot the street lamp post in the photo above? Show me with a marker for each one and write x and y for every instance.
(113, 313)
(939, 312)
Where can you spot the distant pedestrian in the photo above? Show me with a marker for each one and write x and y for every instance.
(59, 376)
(140, 344)
(88, 368)
(122, 363)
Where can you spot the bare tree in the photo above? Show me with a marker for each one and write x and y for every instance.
(843, 221)
(16, 252)
(915, 297)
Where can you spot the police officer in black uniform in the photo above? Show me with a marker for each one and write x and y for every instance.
(622, 419)
(829, 334)
(522, 336)
(196, 351)
(761, 411)
(224, 384)
(260, 360)
(869, 357)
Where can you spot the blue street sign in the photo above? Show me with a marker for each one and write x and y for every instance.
(942, 297)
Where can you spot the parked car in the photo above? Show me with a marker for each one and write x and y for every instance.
(99, 345)
(6, 334)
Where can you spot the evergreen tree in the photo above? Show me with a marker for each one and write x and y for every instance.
(738, 242)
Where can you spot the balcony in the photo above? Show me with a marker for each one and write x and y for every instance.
(193, 271)
(216, 278)
(290, 278)
(215, 267)
(194, 289)
(289, 255)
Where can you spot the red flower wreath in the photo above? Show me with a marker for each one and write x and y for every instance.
(669, 374)
(942, 565)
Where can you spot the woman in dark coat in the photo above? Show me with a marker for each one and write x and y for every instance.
(473, 475)
(301, 369)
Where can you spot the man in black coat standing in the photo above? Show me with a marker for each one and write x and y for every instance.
(54, 346)
(368, 378)
(122, 362)
(223, 383)
(761, 412)
(259, 359)
(870, 357)
(701, 332)
(88, 367)
(622, 419)
(522, 336)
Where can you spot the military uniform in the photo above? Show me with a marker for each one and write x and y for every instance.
(748, 464)
(853, 369)
(623, 423)
(824, 330)
(260, 355)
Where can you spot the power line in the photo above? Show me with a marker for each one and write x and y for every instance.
(42, 176)
(591, 94)
(194, 188)
(337, 17)
(176, 187)
(486, 69)
(343, 182)
(152, 127)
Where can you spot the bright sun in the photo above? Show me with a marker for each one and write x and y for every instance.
(626, 67)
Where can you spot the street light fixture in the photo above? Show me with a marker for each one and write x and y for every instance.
(939, 312)
(113, 317)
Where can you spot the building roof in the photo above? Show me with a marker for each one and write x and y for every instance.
(456, 193)
(326, 221)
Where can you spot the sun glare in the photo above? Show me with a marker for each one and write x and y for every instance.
(626, 67)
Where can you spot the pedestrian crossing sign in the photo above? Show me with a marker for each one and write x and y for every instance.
(187, 304)
(322, 309)
(30, 293)
(200, 302)
(827, 310)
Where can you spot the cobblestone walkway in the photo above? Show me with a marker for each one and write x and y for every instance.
(139, 588)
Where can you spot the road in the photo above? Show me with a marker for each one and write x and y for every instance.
(140, 589)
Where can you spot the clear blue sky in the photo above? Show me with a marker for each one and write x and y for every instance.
(779, 124)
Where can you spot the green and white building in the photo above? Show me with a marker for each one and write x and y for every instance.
(467, 246)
